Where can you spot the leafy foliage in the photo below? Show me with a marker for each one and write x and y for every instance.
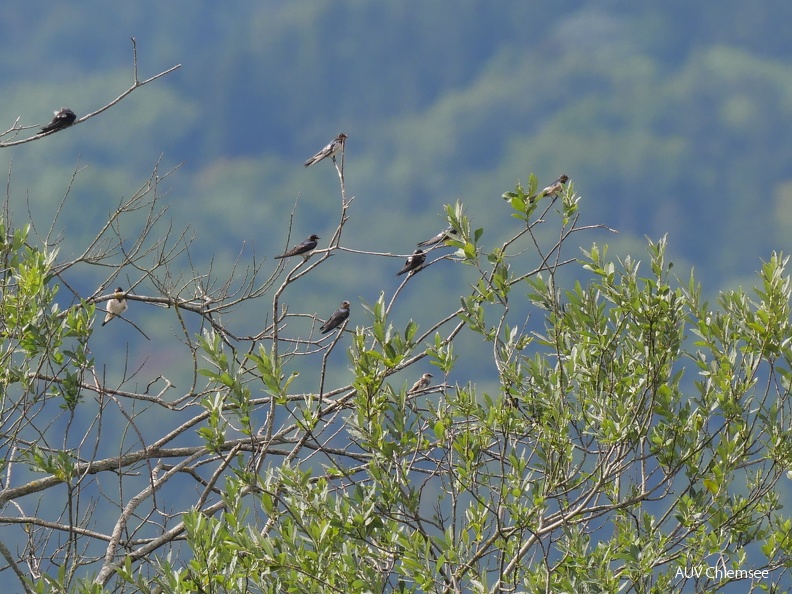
(633, 434)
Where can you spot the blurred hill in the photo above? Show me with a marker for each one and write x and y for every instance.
(670, 118)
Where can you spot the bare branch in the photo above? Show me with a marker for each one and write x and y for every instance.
(15, 129)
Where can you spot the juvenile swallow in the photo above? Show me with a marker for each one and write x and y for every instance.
(421, 384)
(64, 118)
(413, 262)
(329, 151)
(553, 188)
(439, 238)
(305, 246)
(339, 315)
(115, 306)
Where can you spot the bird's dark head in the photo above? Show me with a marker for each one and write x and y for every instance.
(418, 252)
(119, 290)
(345, 305)
(313, 237)
(342, 137)
(563, 178)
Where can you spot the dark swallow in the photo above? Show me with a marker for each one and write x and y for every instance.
(64, 118)
(339, 315)
(329, 151)
(553, 189)
(115, 306)
(305, 246)
(422, 383)
(439, 238)
(413, 262)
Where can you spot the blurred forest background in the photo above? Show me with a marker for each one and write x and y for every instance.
(669, 117)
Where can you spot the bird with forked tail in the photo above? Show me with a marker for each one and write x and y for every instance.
(334, 321)
(301, 249)
(64, 117)
(413, 263)
(331, 150)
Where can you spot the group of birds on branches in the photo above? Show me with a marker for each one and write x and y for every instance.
(117, 305)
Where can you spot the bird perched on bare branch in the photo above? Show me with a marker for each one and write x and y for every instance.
(115, 306)
(413, 263)
(421, 384)
(64, 117)
(339, 315)
(302, 248)
(330, 150)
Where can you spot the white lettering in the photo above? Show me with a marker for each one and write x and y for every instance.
(721, 573)
(688, 572)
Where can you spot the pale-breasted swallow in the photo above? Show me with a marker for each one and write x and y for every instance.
(334, 321)
(553, 188)
(413, 262)
(305, 246)
(115, 306)
(422, 383)
(439, 238)
(64, 118)
(329, 151)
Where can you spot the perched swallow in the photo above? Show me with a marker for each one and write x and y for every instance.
(339, 315)
(413, 262)
(64, 118)
(329, 151)
(439, 238)
(553, 188)
(421, 384)
(115, 306)
(305, 246)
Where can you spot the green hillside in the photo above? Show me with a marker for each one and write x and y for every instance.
(668, 119)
